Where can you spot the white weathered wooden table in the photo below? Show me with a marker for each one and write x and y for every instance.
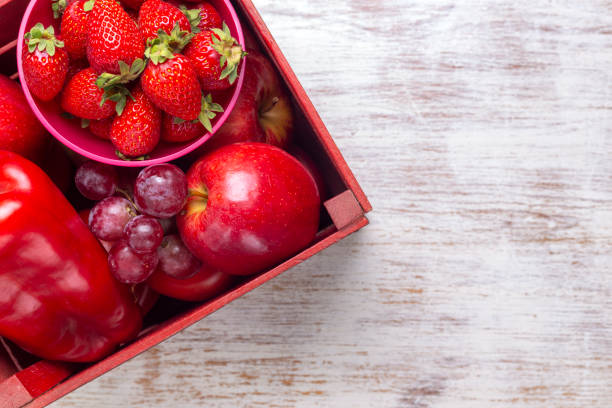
(482, 133)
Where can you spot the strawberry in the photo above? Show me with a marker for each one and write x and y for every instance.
(216, 56)
(202, 15)
(169, 78)
(112, 36)
(20, 131)
(82, 97)
(45, 63)
(177, 130)
(136, 132)
(102, 128)
(209, 16)
(173, 86)
(74, 28)
(157, 15)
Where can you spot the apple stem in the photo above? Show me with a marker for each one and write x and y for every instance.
(199, 193)
(271, 106)
(196, 201)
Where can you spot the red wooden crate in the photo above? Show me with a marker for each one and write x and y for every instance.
(32, 382)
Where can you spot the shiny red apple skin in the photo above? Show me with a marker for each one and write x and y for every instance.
(311, 166)
(250, 207)
(204, 285)
(263, 111)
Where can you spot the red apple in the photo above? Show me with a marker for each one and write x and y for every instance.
(250, 206)
(263, 110)
(311, 166)
(205, 284)
(20, 131)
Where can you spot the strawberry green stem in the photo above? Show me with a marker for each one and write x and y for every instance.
(114, 84)
(208, 111)
(230, 50)
(58, 7)
(127, 158)
(164, 47)
(42, 39)
(194, 17)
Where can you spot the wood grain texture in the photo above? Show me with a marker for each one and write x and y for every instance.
(481, 133)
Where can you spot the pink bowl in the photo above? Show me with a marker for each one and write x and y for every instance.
(70, 133)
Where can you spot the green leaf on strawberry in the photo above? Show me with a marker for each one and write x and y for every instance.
(88, 5)
(43, 39)
(128, 158)
(230, 51)
(126, 74)
(209, 111)
(164, 47)
(114, 84)
(58, 7)
(118, 94)
(194, 17)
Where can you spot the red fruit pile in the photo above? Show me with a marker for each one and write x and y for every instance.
(132, 225)
(135, 79)
(134, 75)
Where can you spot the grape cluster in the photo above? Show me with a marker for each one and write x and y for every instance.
(137, 217)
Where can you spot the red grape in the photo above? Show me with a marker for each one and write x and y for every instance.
(175, 260)
(143, 234)
(160, 190)
(108, 218)
(96, 180)
(128, 266)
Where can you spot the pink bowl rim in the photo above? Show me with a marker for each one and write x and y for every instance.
(118, 162)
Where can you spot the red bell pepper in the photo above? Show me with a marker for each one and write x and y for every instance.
(58, 299)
